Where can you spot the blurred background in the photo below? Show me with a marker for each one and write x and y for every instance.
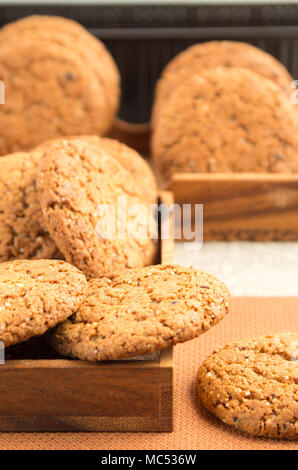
(144, 35)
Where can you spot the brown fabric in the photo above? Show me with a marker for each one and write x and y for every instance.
(194, 428)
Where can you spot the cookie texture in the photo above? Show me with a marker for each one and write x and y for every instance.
(226, 120)
(135, 164)
(200, 57)
(68, 32)
(131, 160)
(23, 235)
(252, 385)
(72, 35)
(36, 295)
(141, 311)
(93, 209)
(55, 85)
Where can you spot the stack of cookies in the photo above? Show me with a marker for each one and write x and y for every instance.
(224, 107)
(61, 262)
(138, 311)
(51, 212)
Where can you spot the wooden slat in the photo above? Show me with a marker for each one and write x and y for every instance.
(242, 206)
(109, 391)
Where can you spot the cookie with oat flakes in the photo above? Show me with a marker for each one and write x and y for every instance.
(23, 234)
(129, 158)
(141, 311)
(226, 120)
(49, 92)
(70, 34)
(252, 385)
(35, 296)
(209, 55)
(94, 209)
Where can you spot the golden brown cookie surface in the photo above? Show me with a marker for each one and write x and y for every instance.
(55, 85)
(226, 120)
(128, 157)
(135, 164)
(200, 57)
(252, 385)
(35, 296)
(140, 311)
(93, 209)
(23, 235)
(70, 34)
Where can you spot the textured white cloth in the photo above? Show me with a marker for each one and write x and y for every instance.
(248, 268)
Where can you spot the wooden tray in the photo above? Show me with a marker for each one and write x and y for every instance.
(237, 206)
(242, 206)
(73, 395)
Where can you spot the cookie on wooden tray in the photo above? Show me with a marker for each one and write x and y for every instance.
(252, 385)
(53, 89)
(23, 234)
(35, 296)
(94, 210)
(128, 157)
(72, 35)
(141, 311)
(200, 57)
(226, 120)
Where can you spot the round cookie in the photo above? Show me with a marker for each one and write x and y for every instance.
(23, 235)
(70, 34)
(128, 157)
(200, 57)
(49, 92)
(35, 296)
(226, 120)
(87, 197)
(141, 311)
(252, 385)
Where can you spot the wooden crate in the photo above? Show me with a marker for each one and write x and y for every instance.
(242, 206)
(72, 395)
(237, 206)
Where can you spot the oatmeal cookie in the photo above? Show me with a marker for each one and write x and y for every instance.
(50, 91)
(200, 57)
(23, 235)
(226, 120)
(141, 311)
(131, 160)
(93, 209)
(72, 35)
(252, 385)
(35, 296)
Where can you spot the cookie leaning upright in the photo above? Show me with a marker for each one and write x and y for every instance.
(129, 158)
(135, 164)
(35, 296)
(252, 385)
(71, 34)
(23, 235)
(93, 209)
(201, 57)
(57, 83)
(141, 311)
(226, 120)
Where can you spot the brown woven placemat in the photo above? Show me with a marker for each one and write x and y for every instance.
(194, 428)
